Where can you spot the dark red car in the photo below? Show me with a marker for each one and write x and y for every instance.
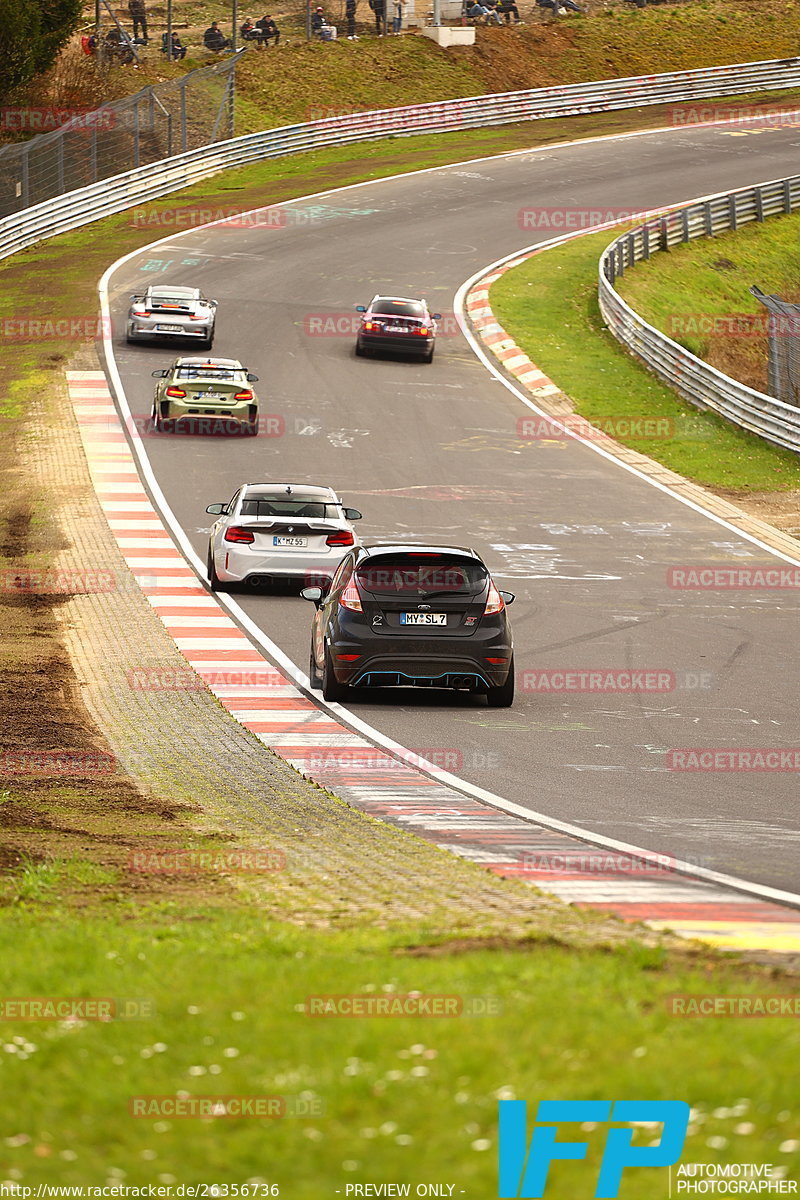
(395, 323)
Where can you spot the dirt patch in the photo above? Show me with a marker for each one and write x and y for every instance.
(781, 509)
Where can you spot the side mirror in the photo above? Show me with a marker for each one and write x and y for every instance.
(437, 316)
(509, 597)
(137, 297)
(352, 514)
(313, 593)
(217, 510)
(361, 308)
(252, 378)
(213, 303)
(159, 374)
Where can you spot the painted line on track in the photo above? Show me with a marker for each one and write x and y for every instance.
(721, 908)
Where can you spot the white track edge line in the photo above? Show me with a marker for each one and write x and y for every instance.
(760, 890)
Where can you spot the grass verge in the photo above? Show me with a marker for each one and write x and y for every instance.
(217, 986)
(699, 294)
(221, 1004)
(549, 306)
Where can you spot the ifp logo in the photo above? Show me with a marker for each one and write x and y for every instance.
(524, 1169)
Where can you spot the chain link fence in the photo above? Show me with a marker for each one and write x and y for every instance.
(784, 347)
(153, 124)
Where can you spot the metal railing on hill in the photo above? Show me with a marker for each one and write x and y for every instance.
(694, 379)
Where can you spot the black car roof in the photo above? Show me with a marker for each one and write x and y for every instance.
(373, 549)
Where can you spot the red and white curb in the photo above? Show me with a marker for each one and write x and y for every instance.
(281, 715)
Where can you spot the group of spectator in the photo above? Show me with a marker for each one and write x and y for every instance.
(322, 28)
(491, 12)
(260, 32)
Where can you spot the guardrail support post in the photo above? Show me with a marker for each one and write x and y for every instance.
(758, 196)
(709, 224)
(184, 131)
(645, 241)
(25, 175)
(663, 234)
(732, 214)
(684, 225)
(787, 195)
(136, 135)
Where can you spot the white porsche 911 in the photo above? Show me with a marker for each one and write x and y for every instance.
(271, 531)
(170, 312)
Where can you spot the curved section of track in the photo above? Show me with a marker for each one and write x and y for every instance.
(433, 452)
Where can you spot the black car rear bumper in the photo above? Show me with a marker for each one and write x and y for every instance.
(401, 343)
(393, 669)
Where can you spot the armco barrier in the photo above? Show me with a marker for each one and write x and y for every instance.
(694, 379)
(90, 203)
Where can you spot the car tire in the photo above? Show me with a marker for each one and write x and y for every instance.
(429, 356)
(503, 696)
(251, 428)
(157, 420)
(214, 581)
(360, 351)
(208, 342)
(331, 688)
(314, 677)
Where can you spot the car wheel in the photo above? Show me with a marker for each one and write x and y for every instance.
(331, 688)
(215, 583)
(157, 420)
(251, 428)
(429, 356)
(314, 677)
(360, 351)
(503, 696)
(208, 342)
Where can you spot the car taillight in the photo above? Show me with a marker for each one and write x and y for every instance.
(494, 601)
(371, 325)
(202, 317)
(350, 597)
(173, 391)
(423, 329)
(343, 538)
(140, 312)
(243, 396)
(237, 534)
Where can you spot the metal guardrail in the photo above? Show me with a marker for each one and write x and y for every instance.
(694, 379)
(158, 179)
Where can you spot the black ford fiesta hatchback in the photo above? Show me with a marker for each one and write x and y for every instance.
(412, 616)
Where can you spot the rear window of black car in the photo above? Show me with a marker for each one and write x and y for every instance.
(418, 575)
(398, 308)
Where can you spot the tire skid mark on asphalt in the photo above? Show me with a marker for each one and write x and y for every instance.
(282, 716)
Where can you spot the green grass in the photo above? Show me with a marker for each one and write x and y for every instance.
(549, 306)
(402, 1099)
(711, 277)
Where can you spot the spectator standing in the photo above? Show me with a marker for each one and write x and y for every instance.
(350, 14)
(379, 9)
(214, 39)
(138, 15)
(397, 18)
(268, 29)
